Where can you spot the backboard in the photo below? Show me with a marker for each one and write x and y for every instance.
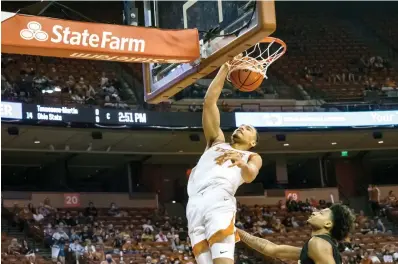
(236, 26)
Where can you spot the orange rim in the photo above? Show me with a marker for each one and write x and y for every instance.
(276, 40)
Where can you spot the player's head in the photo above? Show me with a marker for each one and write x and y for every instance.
(338, 220)
(245, 135)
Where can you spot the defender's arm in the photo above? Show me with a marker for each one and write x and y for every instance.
(268, 248)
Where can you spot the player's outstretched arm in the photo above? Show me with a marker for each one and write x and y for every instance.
(211, 114)
(268, 248)
(320, 251)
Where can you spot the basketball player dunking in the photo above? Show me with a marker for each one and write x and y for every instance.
(329, 226)
(222, 168)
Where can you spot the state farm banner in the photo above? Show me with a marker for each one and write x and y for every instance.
(43, 36)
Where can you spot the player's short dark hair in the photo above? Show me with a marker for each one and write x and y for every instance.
(343, 221)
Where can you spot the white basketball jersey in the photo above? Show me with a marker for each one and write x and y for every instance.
(208, 174)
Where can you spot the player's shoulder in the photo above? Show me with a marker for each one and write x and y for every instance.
(318, 244)
(254, 155)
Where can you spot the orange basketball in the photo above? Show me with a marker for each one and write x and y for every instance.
(246, 80)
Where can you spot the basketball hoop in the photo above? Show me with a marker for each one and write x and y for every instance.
(259, 58)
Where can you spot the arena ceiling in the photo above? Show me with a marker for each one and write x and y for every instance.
(167, 147)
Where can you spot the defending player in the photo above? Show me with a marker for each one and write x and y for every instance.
(329, 226)
(212, 184)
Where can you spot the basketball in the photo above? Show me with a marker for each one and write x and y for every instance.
(246, 80)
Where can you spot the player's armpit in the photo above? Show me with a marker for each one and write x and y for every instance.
(211, 113)
(253, 166)
(268, 248)
(320, 251)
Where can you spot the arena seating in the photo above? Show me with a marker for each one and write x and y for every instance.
(84, 75)
(328, 41)
(295, 236)
(383, 24)
(14, 259)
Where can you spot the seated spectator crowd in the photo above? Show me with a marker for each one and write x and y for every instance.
(60, 81)
(150, 236)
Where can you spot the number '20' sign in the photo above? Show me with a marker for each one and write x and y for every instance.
(71, 200)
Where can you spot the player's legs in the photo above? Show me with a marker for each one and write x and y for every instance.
(196, 231)
(223, 252)
(204, 258)
(220, 230)
(200, 246)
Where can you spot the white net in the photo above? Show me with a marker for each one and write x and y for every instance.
(259, 57)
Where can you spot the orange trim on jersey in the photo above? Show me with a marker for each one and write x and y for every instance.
(220, 235)
(200, 248)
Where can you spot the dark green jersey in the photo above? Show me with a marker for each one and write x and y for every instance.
(305, 259)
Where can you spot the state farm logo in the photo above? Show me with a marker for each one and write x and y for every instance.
(33, 32)
(81, 36)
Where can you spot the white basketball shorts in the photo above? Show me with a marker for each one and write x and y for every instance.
(211, 220)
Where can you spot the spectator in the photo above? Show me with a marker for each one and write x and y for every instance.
(279, 227)
(294, 223)
(45, 211)
(31, 208)
(75, 236)
(59, 239)
(91, 210)
(287, 222)
(108, 259)
(81, 219)
(48, 234)
(376, 63)
(379, 225)
(24, 217)
(41, 82)
(103, 79)
(26, 70)
(281, 205)
(148, 225)
(113, 210)
(118, 241)
(366, 259)
(172, 235)
(76, 249)
(364, 64)
(86, 234)
(388, 253)
(28, 252)
(374, 199)
(160, 237)
(37, 216)
(128, 246)
(147, 235)
(366, 228)
(391, 199)
(90, 252)
(292, 205)
(68, 220)
(361, 218)
(373, 257)
(248, 224)
(14, 248)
